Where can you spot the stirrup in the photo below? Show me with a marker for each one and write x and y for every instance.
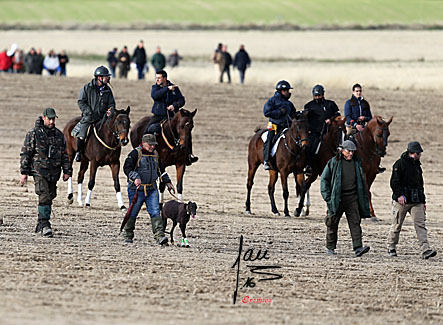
(78, 156)
(266, 166)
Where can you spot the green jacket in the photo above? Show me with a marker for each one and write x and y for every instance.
(158, 61)
(44, 153)
(331, 186)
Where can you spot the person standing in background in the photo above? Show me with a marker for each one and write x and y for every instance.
(140, 59)
(63, 59)
(124, 63)
(158, 60)
(242, 62)
(112, 61)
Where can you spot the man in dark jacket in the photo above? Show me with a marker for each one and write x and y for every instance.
(124, 63)
(408, 195)
(112, 61)
(95, 100)
(44, 156)
(167, 101)
(280, 112)
(227, 63)
(321, 112)
(242, 62)
(357, 111)
(140, 59)
(142, 168)
(344, 190)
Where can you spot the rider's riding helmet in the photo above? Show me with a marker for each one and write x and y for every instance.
(102, 71)
(318, 90)
(282, 85)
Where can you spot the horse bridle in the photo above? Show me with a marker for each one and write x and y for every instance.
(385, 140)
(298, 141)
(115, 133)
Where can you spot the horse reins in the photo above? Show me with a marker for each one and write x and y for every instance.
(114, 133)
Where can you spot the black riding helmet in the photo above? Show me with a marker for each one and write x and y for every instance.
(102, 71)
(318, 90)
(282, 85)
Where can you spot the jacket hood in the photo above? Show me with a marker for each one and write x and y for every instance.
(39, 122)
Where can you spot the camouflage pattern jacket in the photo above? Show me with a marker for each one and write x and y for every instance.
(44, 153)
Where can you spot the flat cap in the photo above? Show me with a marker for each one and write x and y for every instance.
(49, 112)
(149, 139)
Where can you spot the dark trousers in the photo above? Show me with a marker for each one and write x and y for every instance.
(154, 124)
(228, 72)
(242, 75)
(349, 206)
(46, 191)
(140, 71)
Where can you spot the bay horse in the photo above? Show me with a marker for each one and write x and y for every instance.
(289, 158)
(103, 147)
(330, 140)
(172, 143)
(371, 146)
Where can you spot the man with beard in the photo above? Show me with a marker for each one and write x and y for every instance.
(321, 112)
(280, 112)
(44, 156)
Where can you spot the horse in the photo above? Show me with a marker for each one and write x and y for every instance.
(173, 141)
(371, 146)
(103, 147)
(330, 140)
(289, 158)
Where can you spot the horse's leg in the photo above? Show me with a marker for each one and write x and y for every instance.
(70, 191)
(271, 188)
(304, 188)
(70, 150)
(115, 168)
(299, 180)
(80, 177)
(161, 188)
(180, 173)
(91, 183)
(307, 204)
(284, 185)
(251, 173)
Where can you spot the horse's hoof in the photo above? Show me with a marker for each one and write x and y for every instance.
(248, 212)
(277, 214)
(70, 198)
(80, 204)
(187, 246)
(123, 208)
(287, 215)
(296, 213)
(87, 205)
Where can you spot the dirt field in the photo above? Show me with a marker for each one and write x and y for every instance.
(85, 274)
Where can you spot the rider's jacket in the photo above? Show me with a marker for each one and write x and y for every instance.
(356, 107)
(273, 110)
(319, 111)
(163, 97)
(94, 101)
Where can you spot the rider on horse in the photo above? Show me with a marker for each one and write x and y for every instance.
(321, 112)
(357, 113)
(95, 100)
(280, 112)
(167, 101)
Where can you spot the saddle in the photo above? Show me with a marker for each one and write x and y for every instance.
(275, 142)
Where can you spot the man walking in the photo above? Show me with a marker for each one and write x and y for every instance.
(142, 169)
(44, 156)
(344, 190)
(408, 195)
(242, 62)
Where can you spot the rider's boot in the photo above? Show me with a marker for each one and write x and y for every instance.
(191, 158)
(308, 168)
(267, 151)
(80, 148)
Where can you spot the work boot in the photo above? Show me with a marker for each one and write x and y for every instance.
(361, 250)
(392, 252)
(44, 228)
(157, 229)
(266, 166)
(128, 231)
(331, 252)
(429, 253)
(191, 159)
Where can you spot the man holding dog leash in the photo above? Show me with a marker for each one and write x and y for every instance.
(142, 168)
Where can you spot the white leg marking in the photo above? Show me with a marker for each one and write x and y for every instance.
(119, 199)
(88, 197)
(180, 198)
(70, 185)
(79, 194)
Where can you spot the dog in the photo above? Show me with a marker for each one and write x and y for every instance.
(179, 213)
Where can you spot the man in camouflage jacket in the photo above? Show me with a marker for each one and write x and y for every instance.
(44, 156)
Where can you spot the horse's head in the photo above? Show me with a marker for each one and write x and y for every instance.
(379, 130)
(183, 123)
(120, 124)
(300, 128)
(336, 131)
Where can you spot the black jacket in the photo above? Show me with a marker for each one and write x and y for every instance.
(241, 60)
(407, 175)
(319, 112)
(94, 101)
(139, 56)
(163, 97)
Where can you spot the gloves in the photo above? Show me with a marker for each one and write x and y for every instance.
(283, 111)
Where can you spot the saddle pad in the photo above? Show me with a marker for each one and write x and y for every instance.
(264, 136)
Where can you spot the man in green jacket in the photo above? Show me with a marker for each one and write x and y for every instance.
(344, 190)
(158, 60)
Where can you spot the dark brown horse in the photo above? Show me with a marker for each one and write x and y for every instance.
(172, 143)
(331, 139)
(103, 147)
(289, 158)
(371, 146)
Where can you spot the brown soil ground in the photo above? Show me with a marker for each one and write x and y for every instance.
(85, 274)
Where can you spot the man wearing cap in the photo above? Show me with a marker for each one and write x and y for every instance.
(280, 111)
(142, 167)
(321, 112)
(95, 100)
(44, 156)
(408, 195)
(344, 190)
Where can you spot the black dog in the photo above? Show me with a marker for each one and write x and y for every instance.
(179, 213)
